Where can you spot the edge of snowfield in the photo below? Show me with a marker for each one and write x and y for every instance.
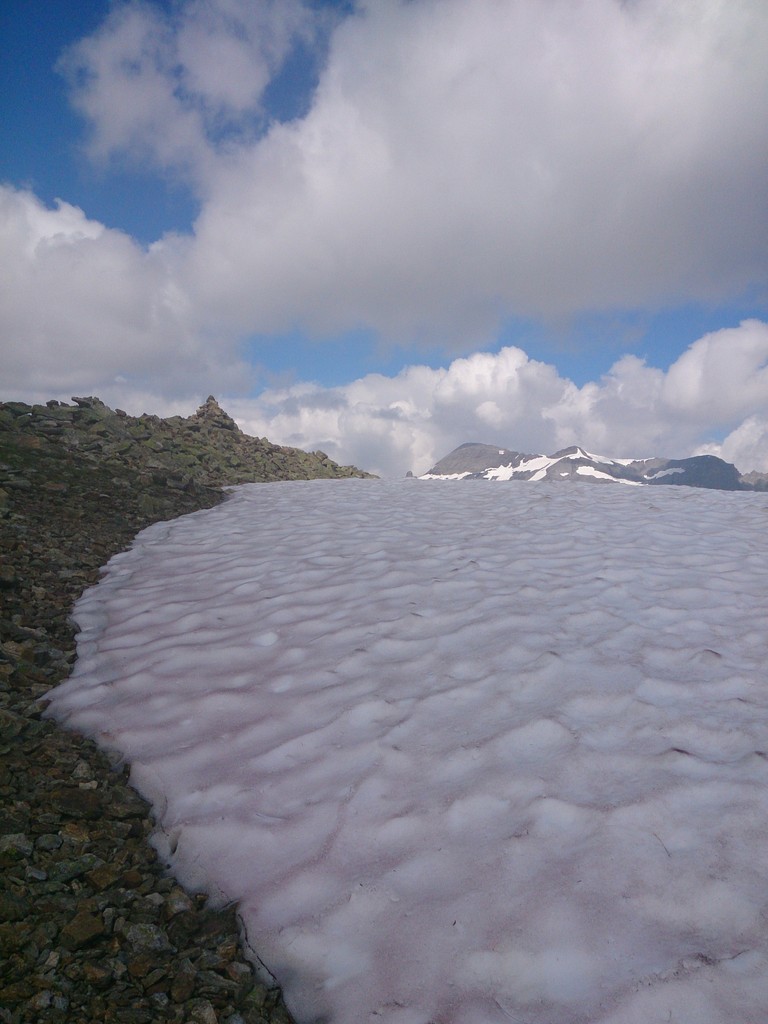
(462, 755)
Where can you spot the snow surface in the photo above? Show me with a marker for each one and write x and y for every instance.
(598, 475)
(468, 755)
(581, 453)
(539, 465)
(664, 472)
(446, 476)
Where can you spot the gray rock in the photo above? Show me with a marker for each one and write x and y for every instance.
(91, 928)
(147, 938)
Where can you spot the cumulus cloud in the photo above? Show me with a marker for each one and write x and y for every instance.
(746, 446)
(178, 86)
(462, 162)
(82, 305)
(459, 162)
(88, 309)
(392, 424)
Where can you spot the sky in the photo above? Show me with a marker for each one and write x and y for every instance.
(382, 229)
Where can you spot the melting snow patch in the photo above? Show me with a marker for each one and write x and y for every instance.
(598, 475)
(462, 756)
(664, 472)
(445, 476)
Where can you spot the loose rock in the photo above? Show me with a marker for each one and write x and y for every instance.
(91, 927)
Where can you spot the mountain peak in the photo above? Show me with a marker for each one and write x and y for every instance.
(214, 415)
(575, 464)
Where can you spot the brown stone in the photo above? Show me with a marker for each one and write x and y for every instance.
(131, 879)
(103, 877)
(76, 802)
(128, 804)
(97, 975)
(83, 929)
(77, 830)
(12, 937)
(183, 984)
(176, 902)
(140, 966)
(15, 992)
(12, 907)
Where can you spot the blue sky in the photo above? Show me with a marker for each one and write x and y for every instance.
(341, 218)
(43, 138)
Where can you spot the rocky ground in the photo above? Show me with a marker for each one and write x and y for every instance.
(91, 927)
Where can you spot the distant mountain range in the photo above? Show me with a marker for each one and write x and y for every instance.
(574, 464)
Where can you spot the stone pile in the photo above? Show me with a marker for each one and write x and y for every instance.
(205, 449)
(91, 926)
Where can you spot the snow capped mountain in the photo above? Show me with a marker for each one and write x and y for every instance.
(484, 462)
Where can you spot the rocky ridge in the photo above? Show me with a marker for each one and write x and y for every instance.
(206, 449)
(91, 926)
(486, 462)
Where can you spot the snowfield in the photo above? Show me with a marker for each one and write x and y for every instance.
(465, 754)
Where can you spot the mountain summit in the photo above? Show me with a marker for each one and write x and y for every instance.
(575, 464)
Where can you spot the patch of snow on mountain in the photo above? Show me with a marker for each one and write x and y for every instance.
(502, 472)
(477, 756)
(581, 454)
(591, 471)
(445, 476)
(602, 459)
(664, 472)
(538, 465)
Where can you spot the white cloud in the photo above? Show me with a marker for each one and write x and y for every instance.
(174, 86)
(725, 373)
(460, 162)
(466, 161)
(83, 306)
(746, 446)
(90, 311)
(391, 424)
(125, 89)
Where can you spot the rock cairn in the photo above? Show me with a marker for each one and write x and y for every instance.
(92, 928)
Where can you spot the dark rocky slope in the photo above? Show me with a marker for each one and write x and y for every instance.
(91, 929)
